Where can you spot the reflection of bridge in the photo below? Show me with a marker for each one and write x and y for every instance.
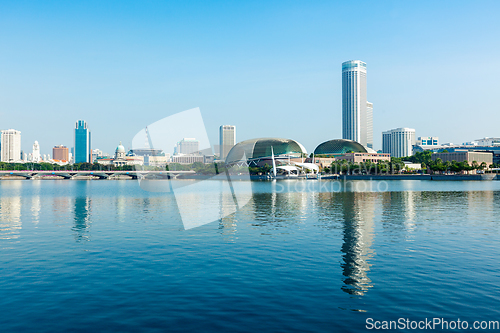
(100, 174)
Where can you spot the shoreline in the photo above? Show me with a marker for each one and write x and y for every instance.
(480, 177)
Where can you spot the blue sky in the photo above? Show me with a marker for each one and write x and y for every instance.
(273, 69)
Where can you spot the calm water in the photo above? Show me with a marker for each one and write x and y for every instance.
(108, 256)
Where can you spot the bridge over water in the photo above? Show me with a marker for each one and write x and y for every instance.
(100, 174)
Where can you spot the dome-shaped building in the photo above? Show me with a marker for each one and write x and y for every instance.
(258, 152)
(337, 147)
(120, 158)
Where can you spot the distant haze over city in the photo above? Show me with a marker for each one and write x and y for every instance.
(270, 69)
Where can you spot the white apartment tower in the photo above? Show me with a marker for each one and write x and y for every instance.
(357, 112)
(398, 142)
(11, 146)
(227, 138)
(36, 153)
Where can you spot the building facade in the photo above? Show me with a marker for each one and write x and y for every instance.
(11, 146)
(83, 143)
(364, 157)
(187, 146)
(227, 139)
(427, 141)
(188, 159)
(465, 156)
(488, 142)
(36, 157)
(398, 142)
(357, 112)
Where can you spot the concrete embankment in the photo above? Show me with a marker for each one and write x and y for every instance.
(361, 177)
(421, 177)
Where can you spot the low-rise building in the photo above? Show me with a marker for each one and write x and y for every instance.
(188, 158)
(465, 156)
(412, 166)
(156, 161)
(364, 157)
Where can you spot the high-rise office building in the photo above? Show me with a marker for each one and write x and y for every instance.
(11, 146)
(60, 153)
(398, 142)
(357, 113)
(187, 146)
(227, 139)
(36, 158)
(369, 125)
(83, 143)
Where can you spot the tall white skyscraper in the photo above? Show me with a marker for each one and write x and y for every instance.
(357, 113)
(369, 125)
(398, 142)
(11, 146)
(227, 138)
(36, 153)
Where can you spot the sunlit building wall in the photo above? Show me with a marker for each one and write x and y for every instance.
(11, 146)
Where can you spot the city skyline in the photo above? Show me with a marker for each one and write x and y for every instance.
(423, 71)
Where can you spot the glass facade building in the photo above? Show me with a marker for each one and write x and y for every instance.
(83, 146)
(357, 113)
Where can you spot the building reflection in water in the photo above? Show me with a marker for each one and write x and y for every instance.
(358, 214)
(10, 210)
(36, 206)
(399, 213)
(227, 223)
(279, 210)
(481, 203)
(82, 215)
(10, 217)
(121, 205)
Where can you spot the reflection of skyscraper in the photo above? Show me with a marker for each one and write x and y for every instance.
(10, 211)
(358, 213)
(357, 113)
(83, 143)
(227, 138)
(82, 218)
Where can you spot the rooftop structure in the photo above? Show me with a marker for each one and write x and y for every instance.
(259, 151)
(339, 147)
